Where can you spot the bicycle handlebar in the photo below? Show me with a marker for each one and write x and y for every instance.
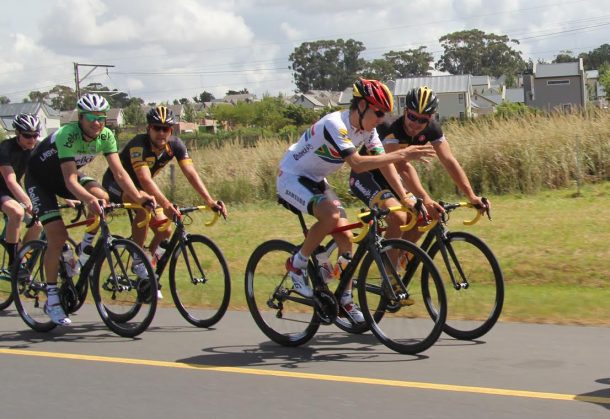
(366, 219)
(450, 207)
(185, 210)
(111, 207)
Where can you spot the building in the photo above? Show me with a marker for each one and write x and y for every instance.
(454, 94)
(556, 86)
(49, 117)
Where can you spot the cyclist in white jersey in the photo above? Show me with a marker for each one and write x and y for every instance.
(322, 150)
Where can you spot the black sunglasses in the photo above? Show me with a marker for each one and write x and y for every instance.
(379, 114)
(161, 128)
(30, 136)
(417, 119)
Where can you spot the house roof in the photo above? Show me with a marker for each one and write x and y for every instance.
(439, 84)
(557, 69)
(485, 100)
(515, 95)
(12, 109)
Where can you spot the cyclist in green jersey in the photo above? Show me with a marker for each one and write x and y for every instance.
(53, 170)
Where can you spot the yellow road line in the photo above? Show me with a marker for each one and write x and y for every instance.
(318, 377)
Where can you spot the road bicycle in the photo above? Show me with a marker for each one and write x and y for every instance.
(199, 278)
(126, 303)
(405, 314)
(475, 284)
(6, 295)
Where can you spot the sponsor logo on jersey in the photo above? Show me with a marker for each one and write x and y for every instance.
(295, 197)
(305, 150)
(47, 154)
(360, 187)
(421, 138)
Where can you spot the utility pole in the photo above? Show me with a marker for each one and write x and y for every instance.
(78, 80)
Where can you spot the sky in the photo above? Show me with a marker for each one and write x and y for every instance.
(166, 50)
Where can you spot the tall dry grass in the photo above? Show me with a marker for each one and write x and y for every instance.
(523, 155)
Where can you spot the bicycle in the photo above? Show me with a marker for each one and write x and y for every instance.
(204, 298)
(119, 295)
(476, 294)
(6, 294)
(289, 319)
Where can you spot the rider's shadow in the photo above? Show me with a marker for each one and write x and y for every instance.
(324, 347)
(599, 397)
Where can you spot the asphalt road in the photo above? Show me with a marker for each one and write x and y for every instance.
(176, 370)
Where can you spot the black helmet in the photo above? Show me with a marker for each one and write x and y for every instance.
(26, 122)
(160, 115)
(422, 100)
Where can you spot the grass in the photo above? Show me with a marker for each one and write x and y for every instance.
(553, 249)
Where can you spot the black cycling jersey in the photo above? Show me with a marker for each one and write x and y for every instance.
(138, 152)
(394, 132)
(11, 154)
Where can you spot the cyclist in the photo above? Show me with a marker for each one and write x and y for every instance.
(53, 170)
(322, 150)
(417, 126)
(14, 202)
(143, 157)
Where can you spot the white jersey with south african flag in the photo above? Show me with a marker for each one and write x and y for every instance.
(321, 150)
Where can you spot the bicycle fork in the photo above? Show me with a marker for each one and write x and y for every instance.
(447, 251)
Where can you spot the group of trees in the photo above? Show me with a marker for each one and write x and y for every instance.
(334, 64)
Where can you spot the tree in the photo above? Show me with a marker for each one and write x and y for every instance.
(243, 91)
(183, 101)
(204, 96)
(379, 69)
(4, 100)
(565, 57)
(133, 114)
(37, 96)
(477, 53)
(189, 111)
(63, 98)
(410, 63)
(596, 58)
(326, 64)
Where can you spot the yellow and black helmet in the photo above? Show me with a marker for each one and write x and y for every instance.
(160, 115)
(422, 100)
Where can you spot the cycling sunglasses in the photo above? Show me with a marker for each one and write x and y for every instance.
(92, 118)
(163, 128)
(417, 119)
(30, 135)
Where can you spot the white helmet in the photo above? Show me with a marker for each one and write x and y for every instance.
(92, 102)
(26, 122)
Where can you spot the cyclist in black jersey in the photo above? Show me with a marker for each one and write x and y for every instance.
(53, 170)
(143, 157)
(14, 202)
(416, 127)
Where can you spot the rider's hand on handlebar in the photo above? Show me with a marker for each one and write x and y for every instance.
(482, 204)
(95, 205)
(434, 209)
(147, 201)
(171, 211)
(219, 207)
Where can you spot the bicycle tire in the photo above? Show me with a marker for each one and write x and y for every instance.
(342, 321)
(119, 293)
(203, 300)
(472, 311)
(29, 293)
(267, 287)
(6, 294)
(403, 325)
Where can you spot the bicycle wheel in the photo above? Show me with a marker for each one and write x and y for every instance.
(284, 316)
(29, 286)
(199, 281)
(126, 303)
(475, 306)
(6, 296)
(398, 315)
(343, 321)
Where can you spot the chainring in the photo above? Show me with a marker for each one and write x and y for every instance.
(326, 305)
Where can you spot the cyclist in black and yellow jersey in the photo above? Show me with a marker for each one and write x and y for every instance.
(53, 170)
(143, 157)
(415, 127)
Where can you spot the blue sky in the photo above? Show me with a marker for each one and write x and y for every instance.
(163, 50)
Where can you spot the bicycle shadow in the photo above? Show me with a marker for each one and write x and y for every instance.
(323, 348)
(598, 397)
